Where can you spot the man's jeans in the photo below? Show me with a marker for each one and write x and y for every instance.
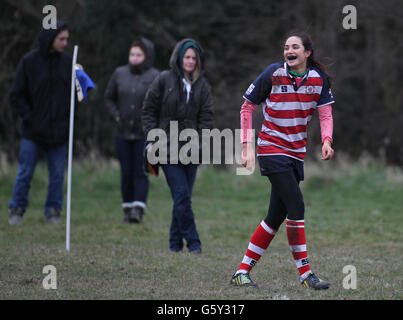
(30, 152)
(181, 179)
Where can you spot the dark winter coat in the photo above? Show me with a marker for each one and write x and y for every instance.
(166, 100)
(41, 91)
(125, 94)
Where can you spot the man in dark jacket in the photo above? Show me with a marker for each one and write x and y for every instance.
(41, 97)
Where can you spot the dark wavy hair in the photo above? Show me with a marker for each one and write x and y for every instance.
(308, 45)
(140, 44)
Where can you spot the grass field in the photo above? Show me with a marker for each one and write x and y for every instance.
(353, 217)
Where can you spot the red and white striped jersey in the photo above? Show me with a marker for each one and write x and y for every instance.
(287, 107)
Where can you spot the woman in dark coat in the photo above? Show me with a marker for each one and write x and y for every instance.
(124, 99)
(182, 96)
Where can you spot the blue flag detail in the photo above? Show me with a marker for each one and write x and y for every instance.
(83, 84)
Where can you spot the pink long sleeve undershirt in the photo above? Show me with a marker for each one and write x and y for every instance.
(325, 119)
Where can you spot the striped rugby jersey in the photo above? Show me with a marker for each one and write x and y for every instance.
(287, 108)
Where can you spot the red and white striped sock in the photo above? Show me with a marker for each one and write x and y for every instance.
(296, 240)
(259, 242)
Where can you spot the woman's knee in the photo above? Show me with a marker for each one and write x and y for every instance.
(297, 210)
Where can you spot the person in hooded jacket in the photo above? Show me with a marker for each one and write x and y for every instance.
(180, 96)
(124, 97)
(41, 97)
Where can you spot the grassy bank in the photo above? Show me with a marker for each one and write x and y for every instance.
(353, 217)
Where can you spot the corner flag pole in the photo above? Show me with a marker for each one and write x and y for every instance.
(70, 156)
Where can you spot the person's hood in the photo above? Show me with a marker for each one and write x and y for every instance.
(46, 37)
(150, 53)
(174, 62)
(148, 63)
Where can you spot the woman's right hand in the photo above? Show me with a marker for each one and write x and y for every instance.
(248, 156)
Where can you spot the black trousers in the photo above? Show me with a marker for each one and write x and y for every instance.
(286, 199)
(134, 181)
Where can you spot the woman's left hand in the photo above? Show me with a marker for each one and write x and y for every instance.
(327, 151)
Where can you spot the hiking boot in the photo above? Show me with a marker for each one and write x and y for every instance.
(135, 215)
(141, 212)
(313, 282)
(126, 215)
(15, 216)
(242, 280)
(53, 216)
(195, 251)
